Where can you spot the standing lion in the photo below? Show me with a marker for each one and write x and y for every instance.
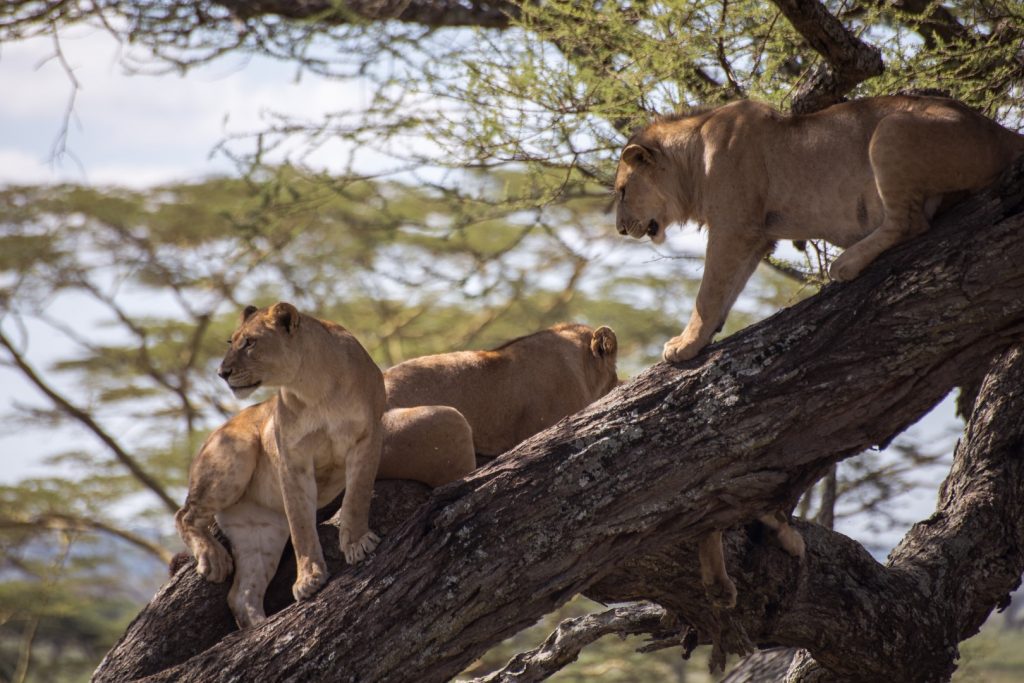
(863, 175)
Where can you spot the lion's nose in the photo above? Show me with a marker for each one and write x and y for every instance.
(621, 229)
(223, 372)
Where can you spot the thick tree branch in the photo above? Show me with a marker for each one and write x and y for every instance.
(659, 462)
(849, 60)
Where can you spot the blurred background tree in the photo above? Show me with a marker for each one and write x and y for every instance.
(472, 207)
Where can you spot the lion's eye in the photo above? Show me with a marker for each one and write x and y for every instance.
(622, 194)
(248, 342)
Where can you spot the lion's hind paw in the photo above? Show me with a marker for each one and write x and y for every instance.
(214, 562)
(721, 593)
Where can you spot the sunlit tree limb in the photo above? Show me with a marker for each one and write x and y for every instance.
(678, 451)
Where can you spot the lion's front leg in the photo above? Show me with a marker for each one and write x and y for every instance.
(298, 491)
(353, 519)
(730, 261)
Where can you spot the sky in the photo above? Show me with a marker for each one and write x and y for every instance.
(130, 130)
(141, 130)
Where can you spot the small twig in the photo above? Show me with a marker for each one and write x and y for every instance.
(60, 144)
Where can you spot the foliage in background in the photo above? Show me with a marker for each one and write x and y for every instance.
(491, 130)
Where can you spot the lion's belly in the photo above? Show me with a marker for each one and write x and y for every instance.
(828, 211)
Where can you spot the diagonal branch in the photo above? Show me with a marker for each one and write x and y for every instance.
(662, 460)
(86, 420)
(66, 522)
(565, 643)
(848, 60)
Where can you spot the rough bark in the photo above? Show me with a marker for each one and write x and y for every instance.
(624, 486)
(764, 666)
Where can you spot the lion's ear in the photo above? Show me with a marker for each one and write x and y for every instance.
(285, 316)
(248, 312)
(635, 154)
(604, 344)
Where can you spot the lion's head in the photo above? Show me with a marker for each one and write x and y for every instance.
(640, 203)
(261, 350)
(654, 183)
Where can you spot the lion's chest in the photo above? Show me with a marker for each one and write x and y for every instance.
(322, 449)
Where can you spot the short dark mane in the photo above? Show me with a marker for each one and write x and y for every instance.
(682, 114)
(685, 113)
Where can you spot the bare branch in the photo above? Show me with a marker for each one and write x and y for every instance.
(433, 13)
(89, 423)
(67, 522)
(565, 643)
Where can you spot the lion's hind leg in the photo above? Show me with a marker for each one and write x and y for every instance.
(789, 538)
(431, 444)
(258, 536)
(917, 159)
(717, 584)
(218, 477)
(213, 561)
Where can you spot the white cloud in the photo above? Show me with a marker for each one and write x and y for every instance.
(138, 129)
(21, 168)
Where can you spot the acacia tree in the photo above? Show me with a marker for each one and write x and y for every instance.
(555, 85)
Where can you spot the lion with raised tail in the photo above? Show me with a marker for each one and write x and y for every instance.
(264, 473)
(863, 175)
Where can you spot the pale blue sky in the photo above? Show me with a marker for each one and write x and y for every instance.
(140, 129)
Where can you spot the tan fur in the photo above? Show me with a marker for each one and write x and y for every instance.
(713, 574)
(863, 175)
(431, 444)
(264, 473)
(512, 392)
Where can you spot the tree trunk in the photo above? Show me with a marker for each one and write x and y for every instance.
(609, 501)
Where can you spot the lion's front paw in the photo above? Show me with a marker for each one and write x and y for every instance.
(214, 562)
(356, 551)
(847, 266)
(679, 349)
(722, 593)
(310, 581)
